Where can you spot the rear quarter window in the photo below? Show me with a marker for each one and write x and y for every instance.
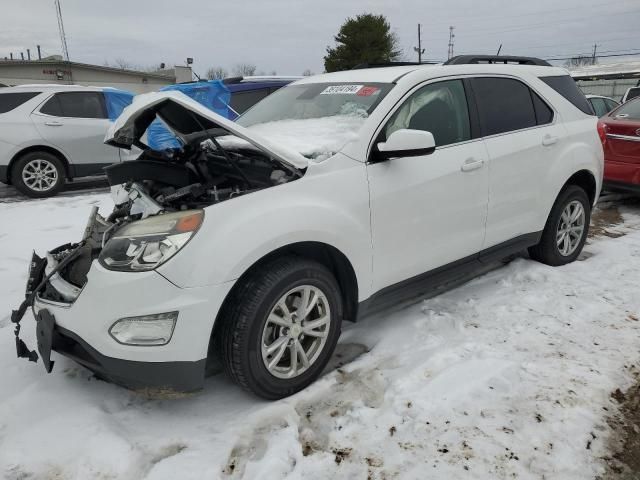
(566, 86)
(10, 101)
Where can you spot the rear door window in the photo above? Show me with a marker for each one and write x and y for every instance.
(505, 105)
(567, 87)
(610, 104)
(10, 101)
(76, 105)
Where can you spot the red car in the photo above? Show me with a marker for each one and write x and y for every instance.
(620, 134)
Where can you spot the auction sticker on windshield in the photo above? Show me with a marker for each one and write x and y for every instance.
(341, 90)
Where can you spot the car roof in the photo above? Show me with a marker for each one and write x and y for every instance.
(393, 74)
(44, 87)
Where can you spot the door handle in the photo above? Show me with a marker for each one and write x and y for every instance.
(53, 123)
(471, 164)
(549, 140)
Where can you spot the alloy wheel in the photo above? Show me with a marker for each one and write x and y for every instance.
(570, 228)
(40, 175)
(296, 331)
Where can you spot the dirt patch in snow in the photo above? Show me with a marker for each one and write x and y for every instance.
(624, 464)
(603, 219)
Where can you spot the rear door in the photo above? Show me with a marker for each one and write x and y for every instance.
(76, 122)
(622, 146)
(522, 138)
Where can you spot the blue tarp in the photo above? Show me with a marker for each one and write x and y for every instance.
(116, 101)
(212, 94)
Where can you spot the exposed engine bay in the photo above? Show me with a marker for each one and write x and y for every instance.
(200, 174)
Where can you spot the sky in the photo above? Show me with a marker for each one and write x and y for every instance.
(291, 36)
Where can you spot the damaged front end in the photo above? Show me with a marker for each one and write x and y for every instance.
(159, 202)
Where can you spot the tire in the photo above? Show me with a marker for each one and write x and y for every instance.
(25, 172)
(244, 330)
(549, 251)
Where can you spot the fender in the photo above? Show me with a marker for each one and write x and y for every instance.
(239, 232)
(584, 154)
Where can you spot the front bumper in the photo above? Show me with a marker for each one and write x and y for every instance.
(80, 329)
(164, 376)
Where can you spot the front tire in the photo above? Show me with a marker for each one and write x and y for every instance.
(280, 326)
(38, 174)
(565, 232)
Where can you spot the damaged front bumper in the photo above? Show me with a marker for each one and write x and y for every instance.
(79, 328)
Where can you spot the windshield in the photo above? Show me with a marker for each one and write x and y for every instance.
(315, 119)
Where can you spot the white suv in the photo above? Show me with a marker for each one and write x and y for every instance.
(331, 198)
(49, 133)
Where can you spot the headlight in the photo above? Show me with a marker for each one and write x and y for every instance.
(146, 244)
(155, 329)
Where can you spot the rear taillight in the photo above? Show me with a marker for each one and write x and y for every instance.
(602, 132)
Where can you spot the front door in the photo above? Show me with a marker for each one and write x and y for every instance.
(429, 211)
(76, 123)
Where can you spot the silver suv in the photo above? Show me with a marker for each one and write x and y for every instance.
(49, 133)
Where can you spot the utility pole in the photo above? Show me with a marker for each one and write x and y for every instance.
(63, 37)
(593, 57)
(451, 37)
(419, 48)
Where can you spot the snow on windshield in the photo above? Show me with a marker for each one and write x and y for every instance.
(316, 138)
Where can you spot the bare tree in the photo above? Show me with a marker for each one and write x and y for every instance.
(244, 70)
(307, 73)
(217, 73)
(580, 61)
(123, 64)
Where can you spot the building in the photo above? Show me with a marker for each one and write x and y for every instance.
(610, 80)
(20, 72)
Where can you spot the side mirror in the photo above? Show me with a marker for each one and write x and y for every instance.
(407, 143)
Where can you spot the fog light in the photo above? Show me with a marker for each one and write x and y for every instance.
(155, 329)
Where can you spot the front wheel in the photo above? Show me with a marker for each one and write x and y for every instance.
(566, 230)
(280, 326)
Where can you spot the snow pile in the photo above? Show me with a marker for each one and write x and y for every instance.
(316, 138)
(506, 376)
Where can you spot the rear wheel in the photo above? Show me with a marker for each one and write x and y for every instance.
(38, 174)
(566, 230)
(280, 327)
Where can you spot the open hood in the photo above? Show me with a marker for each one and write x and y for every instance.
(185, 116)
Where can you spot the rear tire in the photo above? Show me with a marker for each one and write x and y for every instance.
(38, 174)
(266, 310)
(563, 236)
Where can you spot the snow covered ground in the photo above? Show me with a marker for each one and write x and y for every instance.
(508, 376)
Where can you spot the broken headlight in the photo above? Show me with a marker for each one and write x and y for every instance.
(146, 244)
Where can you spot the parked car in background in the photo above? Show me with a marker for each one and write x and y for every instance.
(620, 133)
(51, 133)
(631, 93)
(334, 197)
(247, 91)
(229, 98)
(601, 105)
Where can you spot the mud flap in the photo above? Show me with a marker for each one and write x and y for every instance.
(44, 334)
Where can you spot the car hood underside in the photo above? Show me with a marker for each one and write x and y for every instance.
(185, 117)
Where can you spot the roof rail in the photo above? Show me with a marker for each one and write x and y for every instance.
(389, 64)
(505, 59)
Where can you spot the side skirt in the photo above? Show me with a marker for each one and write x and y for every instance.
(621, 186)
(446, 277)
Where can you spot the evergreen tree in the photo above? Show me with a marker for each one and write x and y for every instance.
(365, 39)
